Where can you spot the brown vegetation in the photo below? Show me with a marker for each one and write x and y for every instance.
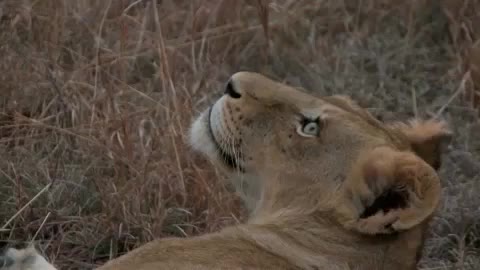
(96, 97)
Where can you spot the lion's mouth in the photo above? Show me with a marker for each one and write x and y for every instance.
(228, 159)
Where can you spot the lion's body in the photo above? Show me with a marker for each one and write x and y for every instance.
(267, 247)
(328, 186)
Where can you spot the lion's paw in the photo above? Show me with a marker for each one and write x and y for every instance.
(24, 259)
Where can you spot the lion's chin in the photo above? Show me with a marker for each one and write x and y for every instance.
(201, 139)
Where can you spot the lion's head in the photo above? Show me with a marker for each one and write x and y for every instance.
(285, 148)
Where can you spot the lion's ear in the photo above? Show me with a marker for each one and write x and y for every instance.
(389, 191)
(427, 138)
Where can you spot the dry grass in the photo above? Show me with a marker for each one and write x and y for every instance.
(97, 96)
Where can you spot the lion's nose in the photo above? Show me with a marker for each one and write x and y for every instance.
(231, 91)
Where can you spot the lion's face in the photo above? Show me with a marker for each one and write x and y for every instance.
(280, 144)
(261, 128)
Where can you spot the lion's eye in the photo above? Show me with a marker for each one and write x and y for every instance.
(309, 128)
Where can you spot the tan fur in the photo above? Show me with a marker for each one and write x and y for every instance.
(357, 196)
(427, 138)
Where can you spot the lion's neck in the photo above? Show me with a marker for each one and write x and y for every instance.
(319, 242)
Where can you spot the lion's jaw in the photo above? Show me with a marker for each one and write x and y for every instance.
(202, 139)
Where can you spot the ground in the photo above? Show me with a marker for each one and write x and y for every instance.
(96, 98)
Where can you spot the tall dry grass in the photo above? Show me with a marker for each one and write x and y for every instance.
(97, 96)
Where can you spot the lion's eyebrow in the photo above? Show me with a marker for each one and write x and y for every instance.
(308, 119)
(317, 113)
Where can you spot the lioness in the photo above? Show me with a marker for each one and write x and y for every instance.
(328, 186)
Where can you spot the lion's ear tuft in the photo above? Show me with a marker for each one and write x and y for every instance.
(427, 138)
(389, 191)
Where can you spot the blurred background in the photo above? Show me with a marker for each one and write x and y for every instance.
(96, 98)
